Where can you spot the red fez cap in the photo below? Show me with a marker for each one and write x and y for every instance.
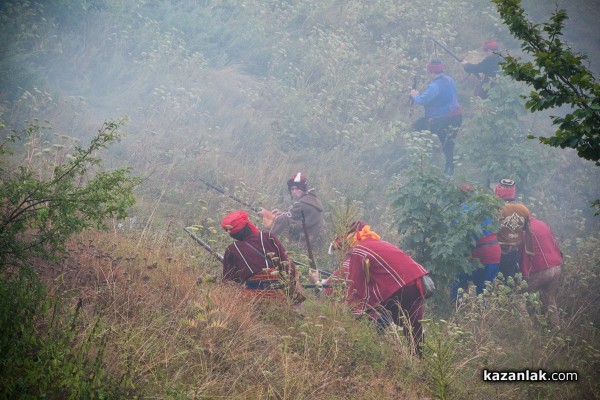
(465, 187)
(236, 221)
(490, 44)
(506, 189)
(435, 66)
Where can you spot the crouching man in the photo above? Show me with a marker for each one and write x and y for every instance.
(258, 260)
(382, 282)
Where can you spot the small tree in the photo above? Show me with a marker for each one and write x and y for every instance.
(438, 221)
(558, 77)
(39, 213)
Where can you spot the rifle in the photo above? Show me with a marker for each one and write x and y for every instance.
(447, 50)
(313, 265)
(202, 243)
(411, 101)
(323, 272)
(219, 257)
(231, 196)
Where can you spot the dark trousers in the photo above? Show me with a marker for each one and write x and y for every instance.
(509, 261)
(446, 129)
(479, 277)
(406, 302)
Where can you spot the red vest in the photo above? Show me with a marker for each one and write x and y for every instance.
(487, 250)
(373, 282)
(546, 251)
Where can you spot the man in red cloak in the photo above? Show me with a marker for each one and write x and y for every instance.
(257, 259)
(382, 282)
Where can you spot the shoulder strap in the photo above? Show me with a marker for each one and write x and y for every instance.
(263, 255)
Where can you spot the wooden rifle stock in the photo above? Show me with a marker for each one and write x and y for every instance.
(206, 246)
(313, 265)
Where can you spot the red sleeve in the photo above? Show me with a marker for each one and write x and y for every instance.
(229, 270)
(357, 286)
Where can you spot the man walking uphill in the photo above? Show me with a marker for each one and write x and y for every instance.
(443, 115)
(489, 67)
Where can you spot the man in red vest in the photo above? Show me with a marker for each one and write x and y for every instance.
(381, 281)
(542, 267)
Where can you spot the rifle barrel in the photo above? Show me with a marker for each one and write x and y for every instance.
(447, 50)
(202, 243)
(231, 196)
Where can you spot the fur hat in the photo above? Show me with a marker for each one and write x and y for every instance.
(490, 44)
(435, 66)
(299, 181)
(506, 189)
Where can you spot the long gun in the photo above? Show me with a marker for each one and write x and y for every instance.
(447, 50)
(231, 196)
(411, 101)
(311, 257)
(202, 243)
(323, 272)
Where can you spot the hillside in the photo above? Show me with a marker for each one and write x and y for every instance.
(243, 95)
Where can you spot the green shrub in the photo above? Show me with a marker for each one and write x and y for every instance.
(435, 228)
(63, 359)
(45, 202)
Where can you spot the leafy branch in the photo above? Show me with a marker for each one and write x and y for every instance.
(39, 215)
(558, 76)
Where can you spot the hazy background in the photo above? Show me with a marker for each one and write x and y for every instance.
(247, 93)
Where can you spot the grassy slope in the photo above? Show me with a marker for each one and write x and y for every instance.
(173, 337)
(170, 337)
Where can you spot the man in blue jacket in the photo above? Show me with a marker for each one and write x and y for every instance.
(443, 115)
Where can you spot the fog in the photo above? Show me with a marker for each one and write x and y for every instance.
(245, 94)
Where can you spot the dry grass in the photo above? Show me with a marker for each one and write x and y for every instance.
(171, 337)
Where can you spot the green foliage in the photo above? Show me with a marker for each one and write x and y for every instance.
(435, 228)
(558, 76)
(494, 140)
(61, 361)
(21, 299)
(39, 213)
(440, 354)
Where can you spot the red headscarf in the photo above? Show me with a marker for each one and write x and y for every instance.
(236, 221)
(435, 66)
(490, 44)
